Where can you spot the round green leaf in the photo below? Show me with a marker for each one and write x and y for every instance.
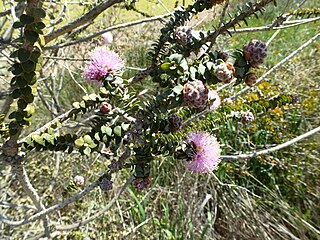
(23, 55)
(21, 82)
(26, 91)
(31, 36)
(16, 69)
(16, 93)
(117, 131)
(29, 98)
(28, 66)
(79, 142)
(39, 12)
(22, 104)
(25, 19)
(18, 25)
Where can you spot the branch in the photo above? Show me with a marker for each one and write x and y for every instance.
(19, 6)
(23, 178)
(273, 149)
(98, 214)
(286, 24)
(122, 25)
(91, 15)
(52, 208)
(258, 6)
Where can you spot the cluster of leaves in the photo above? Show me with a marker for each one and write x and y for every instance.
(27, 64)
(308, 12)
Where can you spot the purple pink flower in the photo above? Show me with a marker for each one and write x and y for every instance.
(103, 61)
(205, 156)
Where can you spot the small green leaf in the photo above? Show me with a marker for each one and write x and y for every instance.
(178, 89)
(97, 136)
(26, 19)
(87, 151)
(38, 139)
(29, 98)
(22, 104)
(106, 130)
(118, 80)
(30, 77)
(125, 126)
(202, 69)
(18, 25)
(87, 139)
(76, 105)
(31, 36)
(16, 69)
(165, 66)
(28, 66)
(35, 56)
(117, 131)
(39, 12)
(16, 93)
(26, 91)
(79, 142)
(14, 54)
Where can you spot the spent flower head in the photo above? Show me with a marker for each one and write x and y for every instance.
(103, 61)
(205, 155)
(79, 180)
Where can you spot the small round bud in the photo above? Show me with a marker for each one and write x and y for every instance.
(79, 180)
(105, 185)
(53, 5)
(175, 122)
(295, 98)
(141, 183)
(223, 55)
(105, 108)
(251, 79)
(247, 117)
(224, 72)
(228, 101)
(107, 38)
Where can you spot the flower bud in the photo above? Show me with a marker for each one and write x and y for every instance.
(105, 108)
(223, 55)
(105, 185)
(141, 183)
(228, 101)
(107, 38)
(175, 122)
(251, 79)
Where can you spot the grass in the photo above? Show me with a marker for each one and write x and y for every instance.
(269, 197)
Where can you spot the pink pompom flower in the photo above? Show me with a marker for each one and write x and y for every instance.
(103, 61)
(205, 156)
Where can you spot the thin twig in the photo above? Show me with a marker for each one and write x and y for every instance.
(98, 214)
(109, 29)
(91, 15)
(270, 150)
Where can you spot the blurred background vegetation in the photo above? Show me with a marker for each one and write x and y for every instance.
(276, 196)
